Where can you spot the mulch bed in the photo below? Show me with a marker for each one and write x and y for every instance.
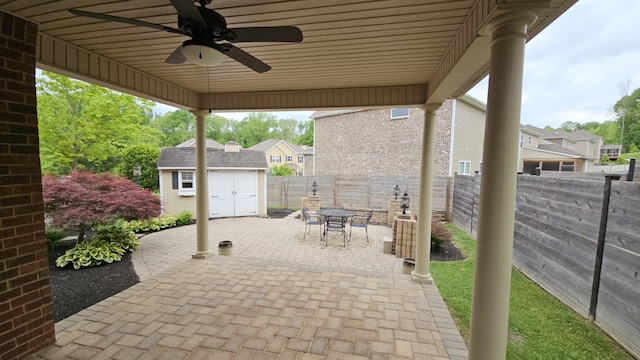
(74, 290)
(447, 252)
(279, 213)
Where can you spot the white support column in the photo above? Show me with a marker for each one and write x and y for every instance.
(490, 307)
(425, 210)
(202, 191)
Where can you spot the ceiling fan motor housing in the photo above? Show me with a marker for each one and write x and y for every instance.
(215, 24)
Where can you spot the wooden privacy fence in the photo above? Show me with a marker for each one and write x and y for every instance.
(555, 244)
(360, 192)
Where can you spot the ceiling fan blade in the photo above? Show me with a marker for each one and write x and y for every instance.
(263, 34)
(176, 57)
(124, 20)
(188, 11)
(244, 58)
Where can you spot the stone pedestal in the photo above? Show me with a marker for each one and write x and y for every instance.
(311, 202)
(394, 207)
(406, 236)
(394, 228)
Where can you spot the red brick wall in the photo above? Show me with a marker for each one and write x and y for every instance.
(26, 317)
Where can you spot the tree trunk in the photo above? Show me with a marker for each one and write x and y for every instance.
(81, 230)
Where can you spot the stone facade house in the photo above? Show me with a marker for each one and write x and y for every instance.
(278, 152)
(557, 150)
(389, 141)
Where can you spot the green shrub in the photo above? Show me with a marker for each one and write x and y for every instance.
(106, 246)
(117, 235)
(152, 224)
(185, 218)
(54, 237)
(90, 254)
(439, 234)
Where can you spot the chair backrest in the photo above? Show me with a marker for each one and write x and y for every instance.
(305, 213)
(369, 215)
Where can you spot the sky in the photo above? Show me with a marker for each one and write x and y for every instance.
(573, 68)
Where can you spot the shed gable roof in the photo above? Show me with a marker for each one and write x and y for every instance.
(185, 157)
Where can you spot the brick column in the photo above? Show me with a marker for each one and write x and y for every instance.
(26, 311)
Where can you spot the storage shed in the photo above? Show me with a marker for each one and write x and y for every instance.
(236, 180)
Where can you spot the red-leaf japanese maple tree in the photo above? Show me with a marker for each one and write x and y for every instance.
(81, 200)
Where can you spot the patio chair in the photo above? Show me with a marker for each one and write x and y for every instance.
(308, 222)
(337, 224)
(361, 222)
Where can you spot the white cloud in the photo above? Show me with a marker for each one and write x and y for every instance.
(574, 66)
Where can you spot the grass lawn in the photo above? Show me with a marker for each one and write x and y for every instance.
(540, 326)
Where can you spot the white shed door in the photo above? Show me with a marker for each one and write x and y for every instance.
(246, 185)
(233, 193)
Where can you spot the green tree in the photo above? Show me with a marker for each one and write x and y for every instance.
(146, 156)
(219, 128)
(286, 129)
(570, 126)
(176, 127)
(628, 119)
(282, 170)
(305, 130)
(255, 128)
(85, 126)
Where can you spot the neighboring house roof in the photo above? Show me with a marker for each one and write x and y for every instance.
(560, 150)
(210, 144)
(605, 147)
(582, 135)
(307, 150)
(269, 144)
(560, 134)
(185, 158)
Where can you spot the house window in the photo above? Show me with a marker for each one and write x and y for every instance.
(464, 168)
(521, 139)
(275, 158)
(399, 113)
(529, 139)
(300, 159)
(186, 184)
(289, 158)
(567, 166)
(551, 166)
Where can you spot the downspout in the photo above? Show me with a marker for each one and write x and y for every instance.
(454, 102)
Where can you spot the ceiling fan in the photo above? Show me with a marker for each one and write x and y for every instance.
(210, 38)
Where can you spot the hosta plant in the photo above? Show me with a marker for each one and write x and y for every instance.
(106, 246)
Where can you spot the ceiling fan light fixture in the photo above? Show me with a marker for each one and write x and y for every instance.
(202, 55)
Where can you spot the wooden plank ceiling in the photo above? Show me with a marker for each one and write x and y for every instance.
(347, 43)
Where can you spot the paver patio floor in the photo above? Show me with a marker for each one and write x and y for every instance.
(278, 296)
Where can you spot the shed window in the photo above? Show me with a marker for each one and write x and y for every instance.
(187, 184)
(399, 113)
